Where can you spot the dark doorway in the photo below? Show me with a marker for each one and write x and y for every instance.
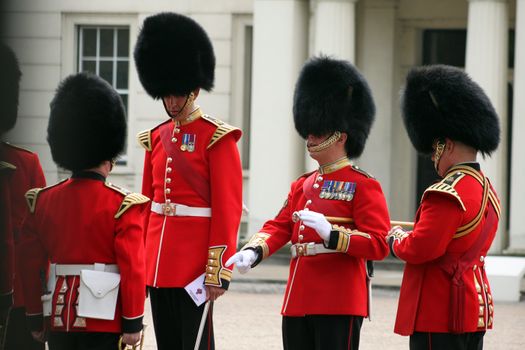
(440, 46)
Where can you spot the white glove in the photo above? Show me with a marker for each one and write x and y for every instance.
(317, 221)
(397, 233)
(243, 260)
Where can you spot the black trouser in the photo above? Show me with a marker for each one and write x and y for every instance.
(176, 319)
(446, 341)
(83, 341)
(18, 335)
(322, 332)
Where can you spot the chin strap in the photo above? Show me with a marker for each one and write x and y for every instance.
(326, 143)
(440, 147)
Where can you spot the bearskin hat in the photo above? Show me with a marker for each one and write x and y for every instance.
(87, 124)
(9, 86)
(331, 95)
(174, 56)
(444, 102)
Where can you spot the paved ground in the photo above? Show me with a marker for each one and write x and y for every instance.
(248, 316)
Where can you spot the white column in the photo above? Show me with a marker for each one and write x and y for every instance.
(276, 150)
(334, 35)
(487, 64)
(376, 59)
(517, 185)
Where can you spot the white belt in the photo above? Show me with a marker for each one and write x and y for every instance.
(310, 249)
(174, 209)
(74, 269)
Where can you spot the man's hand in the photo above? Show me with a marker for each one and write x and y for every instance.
(131, 338)
(243, 260)
(317, 221)
(214, 292)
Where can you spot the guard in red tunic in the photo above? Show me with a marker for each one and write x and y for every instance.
(336, 217)
(445, 300)
(29, 174)
(83, 237)
(193, 175)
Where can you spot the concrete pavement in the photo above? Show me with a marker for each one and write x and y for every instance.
(248, 315)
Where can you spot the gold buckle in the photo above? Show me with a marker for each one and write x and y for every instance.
(169, 209)
(300, 249)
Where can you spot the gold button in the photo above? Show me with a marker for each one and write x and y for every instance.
(168, 191)
(481, 258)
(168, 169)
(301, 228)
(210, 268)
(170, 159)
(320, 178)
(308, 202)
(176, 130)
(168, 201)
(173, 139)
(316, 185)
(168, 180)
(301, 237)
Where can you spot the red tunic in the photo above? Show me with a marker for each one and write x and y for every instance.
(84, 220)
(446, 224)
(29, 175)
(195, 164)
(335, 283)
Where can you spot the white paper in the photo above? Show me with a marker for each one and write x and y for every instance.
(196, 290)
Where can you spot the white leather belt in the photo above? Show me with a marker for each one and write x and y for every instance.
(74, 269)
(174, 209)
(310, 249)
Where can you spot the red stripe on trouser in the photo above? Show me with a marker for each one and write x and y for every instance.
(209, 329)
(429, 341)
(350, 333)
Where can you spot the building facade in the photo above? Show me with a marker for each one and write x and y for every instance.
(260, 46)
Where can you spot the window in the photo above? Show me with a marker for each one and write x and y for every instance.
(104, 51)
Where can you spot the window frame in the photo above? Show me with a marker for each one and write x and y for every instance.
(71, 22)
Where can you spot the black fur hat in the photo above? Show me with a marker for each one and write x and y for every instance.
(331, 95)
(174, 56)
(9, 87)
(443, 102)
(87, 124)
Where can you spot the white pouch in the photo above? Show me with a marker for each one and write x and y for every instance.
(98, 293)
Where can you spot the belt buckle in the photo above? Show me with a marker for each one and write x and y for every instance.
(169, 209)
(300, 249)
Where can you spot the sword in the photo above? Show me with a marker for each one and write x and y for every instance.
(201, 326)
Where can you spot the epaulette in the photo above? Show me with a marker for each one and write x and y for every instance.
(129, 201)
(119, 189)
(17, 147)
(305, 175)
(361, 171)
(446, 186)
(222, 130)
(144, 139)
(7, 166)
(32, 195)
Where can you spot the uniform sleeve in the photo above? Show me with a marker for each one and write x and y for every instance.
(372, 223)
(226, 208)
(35, 266)
(147, 189)
(275, 233)
(129, 248)
(439, 217)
